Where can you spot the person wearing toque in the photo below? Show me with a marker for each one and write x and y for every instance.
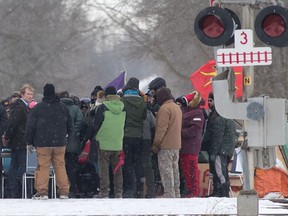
(49, 127)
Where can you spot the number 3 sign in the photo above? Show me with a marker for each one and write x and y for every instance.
(244, 54)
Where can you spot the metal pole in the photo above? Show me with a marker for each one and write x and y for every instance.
(248, 91)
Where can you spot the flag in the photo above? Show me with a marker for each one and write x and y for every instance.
(118, 82)
(201, 79)
(238, 71)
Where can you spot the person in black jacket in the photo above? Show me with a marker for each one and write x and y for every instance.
(48, 126)
(219, 140)
(14, 137)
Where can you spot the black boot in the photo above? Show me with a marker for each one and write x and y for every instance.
(225, 188)
(216, 191)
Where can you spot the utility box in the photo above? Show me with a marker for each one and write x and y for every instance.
(275, 121)
(267, 124)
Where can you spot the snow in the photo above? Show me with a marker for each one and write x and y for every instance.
(159, 206)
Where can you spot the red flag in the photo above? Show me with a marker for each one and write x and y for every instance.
(238, 71)
(201, 79)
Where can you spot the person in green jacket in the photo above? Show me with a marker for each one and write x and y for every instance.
(136, 110)
(109, 124)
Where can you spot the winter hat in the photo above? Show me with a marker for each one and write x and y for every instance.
(163, 94)
(96, 89)
(85, 100)
(157, 83)
(133, 83)
(49, 90)
(211, 95)
(192, 99)
(110, 90)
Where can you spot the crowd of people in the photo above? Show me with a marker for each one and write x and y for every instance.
(129, 143)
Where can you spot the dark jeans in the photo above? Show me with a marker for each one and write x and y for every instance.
(16, 171)
(132, 168)
(71, 164)
(148, 169)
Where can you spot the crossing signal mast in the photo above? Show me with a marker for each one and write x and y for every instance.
(219, 27)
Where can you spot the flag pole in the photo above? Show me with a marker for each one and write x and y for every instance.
(125, 77)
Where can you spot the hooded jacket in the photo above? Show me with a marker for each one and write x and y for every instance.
(136, 111)
(192, 126)
(74, 144)
(49, 124)
(168, 122)
(109, 124)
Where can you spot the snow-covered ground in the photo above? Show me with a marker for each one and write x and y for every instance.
(81, 207)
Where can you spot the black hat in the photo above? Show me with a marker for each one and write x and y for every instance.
(49, 90)
(157, 83)
(211, 95)
(110, 90)
(96, 89)
(133, 83)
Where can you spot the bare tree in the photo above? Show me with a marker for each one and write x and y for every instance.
(162, 32)
(45, 41)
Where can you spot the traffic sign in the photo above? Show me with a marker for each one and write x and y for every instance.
(244, 53)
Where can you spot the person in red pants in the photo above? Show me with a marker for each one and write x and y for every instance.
(191, 138)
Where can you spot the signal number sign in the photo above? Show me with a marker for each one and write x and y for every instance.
(244, 54)
(247, 81)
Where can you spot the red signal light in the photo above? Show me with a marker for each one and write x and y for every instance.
(271, 26)
(212, 26)
(215, 26)
(274, 25)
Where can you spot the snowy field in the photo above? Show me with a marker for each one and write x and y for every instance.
(81, 207)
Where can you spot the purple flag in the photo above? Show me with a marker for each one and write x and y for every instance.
(118, 82)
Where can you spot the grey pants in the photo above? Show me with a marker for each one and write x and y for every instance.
(169, 172)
